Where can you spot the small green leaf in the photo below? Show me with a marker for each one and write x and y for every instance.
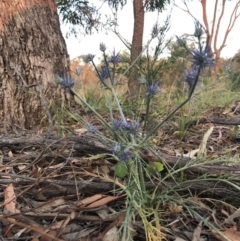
(149, 171)
(121, 169)
(159, 166)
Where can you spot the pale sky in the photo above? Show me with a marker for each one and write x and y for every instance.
(181, 23)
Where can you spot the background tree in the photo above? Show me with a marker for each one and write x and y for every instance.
(178, 61)
(72, 11)
(213, 21)
(235, 72)
(32, 51)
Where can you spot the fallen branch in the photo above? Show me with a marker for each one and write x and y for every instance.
(215, 120)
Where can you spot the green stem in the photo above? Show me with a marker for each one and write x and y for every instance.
(104, 122)
(99, 76)
(147, 113)
(141, 177)
(118, 104)
(174, 111)
(134, 62)
(93, 110)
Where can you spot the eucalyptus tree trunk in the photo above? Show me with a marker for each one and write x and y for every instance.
(32, 51)
(137, 41)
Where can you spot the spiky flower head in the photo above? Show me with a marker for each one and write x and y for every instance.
(182, 42)
(153, 89)
(116, 148)
(142, 80)
(199, 30)
(104, 72)
(127, 126)
(155, 30)
(65, 81)
(190, 76)
(131, 126)
(88, 58)
(92, 129)
(117, 124)
(125, 156)
(202, 58)
(103, 47)
(114, 58)
(78, 71)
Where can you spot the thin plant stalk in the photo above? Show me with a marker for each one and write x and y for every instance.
(142, 180)
(93, 110)
(134, 62)
(118, 104)
(147, 112)
(107, 65)
(175, 110)
(97, 114)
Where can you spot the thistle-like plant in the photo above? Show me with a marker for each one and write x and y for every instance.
(126, 142)
(127, 132)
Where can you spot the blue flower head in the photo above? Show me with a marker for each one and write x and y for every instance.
(114, 58)
(88, 58)
(125, 156)
(152, 89)
(116, 148)
(92, 129)
(131, 126)
(122, 155)
(66, 82)
(104, 72)
(128, 126)
(117, 124)
(202, 58)
(190, 76)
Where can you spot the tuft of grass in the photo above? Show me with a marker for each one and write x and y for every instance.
(94, 94)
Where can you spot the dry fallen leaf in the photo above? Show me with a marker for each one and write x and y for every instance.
(10, 154)
(10, 200)
(230, 218)
(203, 145)
(111, 235)
(231, 234)
(116, 223)
(197, 232)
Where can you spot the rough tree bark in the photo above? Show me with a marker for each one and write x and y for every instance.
(32, 51)
(137, 40)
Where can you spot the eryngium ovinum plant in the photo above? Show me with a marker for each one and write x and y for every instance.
(129, 144)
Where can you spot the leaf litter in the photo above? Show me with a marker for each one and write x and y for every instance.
(61, 190)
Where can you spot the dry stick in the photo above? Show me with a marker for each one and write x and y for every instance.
(212, 185)
(36, 228)
(18, 179)
(74, 175)
(83, 217)
(44, 150)
(27, 189)
(56, 155)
